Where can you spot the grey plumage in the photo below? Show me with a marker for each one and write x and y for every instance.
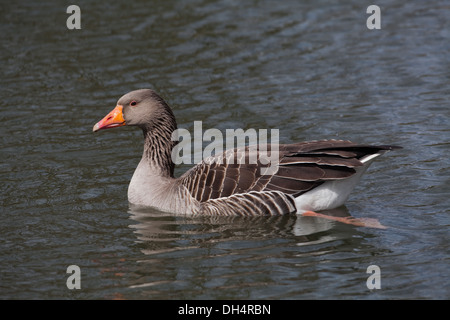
(229, 183)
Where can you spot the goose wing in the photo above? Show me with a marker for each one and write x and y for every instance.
(298, 168)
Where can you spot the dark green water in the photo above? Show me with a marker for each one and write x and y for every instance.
(311, 69)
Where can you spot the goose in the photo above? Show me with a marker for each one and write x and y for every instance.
(308, 177)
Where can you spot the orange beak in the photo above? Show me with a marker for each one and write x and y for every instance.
(112, 120)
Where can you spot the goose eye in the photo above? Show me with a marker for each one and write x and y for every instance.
(133, 103)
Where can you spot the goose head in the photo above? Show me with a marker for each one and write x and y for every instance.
(143, 108)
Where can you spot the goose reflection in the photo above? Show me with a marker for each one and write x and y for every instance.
(164, 232)
(205, 256)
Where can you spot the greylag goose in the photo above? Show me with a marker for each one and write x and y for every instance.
(309, 176)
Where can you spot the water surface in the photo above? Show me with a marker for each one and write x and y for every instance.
(311, 69)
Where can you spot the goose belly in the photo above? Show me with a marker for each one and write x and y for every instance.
(329, 195)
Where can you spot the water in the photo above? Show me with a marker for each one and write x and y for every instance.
(309, 68)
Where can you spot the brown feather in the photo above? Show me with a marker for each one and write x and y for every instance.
(301, 167)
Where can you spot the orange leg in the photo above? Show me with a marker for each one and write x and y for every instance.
(360, 222)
